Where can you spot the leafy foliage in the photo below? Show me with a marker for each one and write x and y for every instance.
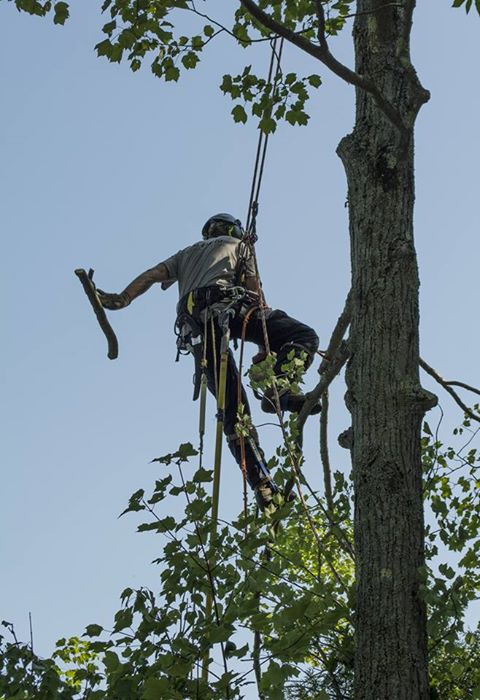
(282, 585)
(467, 4)
(283, 593)
(161, 31)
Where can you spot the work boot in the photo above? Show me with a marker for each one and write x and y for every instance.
(288, 402)
(264, 493)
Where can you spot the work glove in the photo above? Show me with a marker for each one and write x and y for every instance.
(113, 301)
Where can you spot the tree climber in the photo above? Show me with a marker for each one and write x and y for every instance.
(215, 274)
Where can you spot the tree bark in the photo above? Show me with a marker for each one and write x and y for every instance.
(384, 394)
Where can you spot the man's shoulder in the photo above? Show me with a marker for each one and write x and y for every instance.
(209, 244)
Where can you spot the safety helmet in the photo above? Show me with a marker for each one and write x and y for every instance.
(223, 225)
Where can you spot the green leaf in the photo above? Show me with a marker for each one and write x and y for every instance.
(190, 60)
(134, 504)
(447, 571)
(111, 661)
(267, 125)
(197, 509)
(163, 525)
(457, 670)
(116, 53)
(315, 80)
(62, 13)
(109, 28)
(156, 688)
(239, 114)
(172, 73)
(186, 450)
(197, 43)
(104, 48)
(123, 618)
(93, 630)
(220, 633)
(203, 475)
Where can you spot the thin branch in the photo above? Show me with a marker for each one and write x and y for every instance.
(338, 333)
(322, 657)
(322, 39)
(464, 386)
(446, 385)
(335, 357)
(327, 472)
(257, 647)
(312, 398)
(244, 42)
(430, 474)
(323, 54)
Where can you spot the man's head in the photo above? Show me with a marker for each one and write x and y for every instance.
(222, 225)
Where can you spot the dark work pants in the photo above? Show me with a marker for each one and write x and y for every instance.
(284, 334)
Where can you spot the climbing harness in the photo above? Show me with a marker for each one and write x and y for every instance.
(90, 290)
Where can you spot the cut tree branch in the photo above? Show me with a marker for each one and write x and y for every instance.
(323, 54)
(447, 386)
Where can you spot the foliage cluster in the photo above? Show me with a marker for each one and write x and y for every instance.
(162, 32)
(283, 595)
(282, 584)
(173, 34)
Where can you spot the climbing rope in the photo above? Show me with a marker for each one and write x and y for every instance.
(251, 237)
(274, 74)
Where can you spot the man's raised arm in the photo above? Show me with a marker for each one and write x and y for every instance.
(140, 284)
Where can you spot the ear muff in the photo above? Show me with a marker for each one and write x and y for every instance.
(228, 226)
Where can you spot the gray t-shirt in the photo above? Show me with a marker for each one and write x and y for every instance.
(207, 263)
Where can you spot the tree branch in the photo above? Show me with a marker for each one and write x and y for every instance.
(447, 386)
(312, 398)
(327, 472)
(464, 386)
(335, 357)
(322, 53)
(338, 333)
(244, 42)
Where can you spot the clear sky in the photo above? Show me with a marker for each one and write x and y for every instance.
(103, 168)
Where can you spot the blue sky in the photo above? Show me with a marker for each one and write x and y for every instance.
(117, 171)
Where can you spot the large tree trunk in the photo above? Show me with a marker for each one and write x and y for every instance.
(384, 395)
